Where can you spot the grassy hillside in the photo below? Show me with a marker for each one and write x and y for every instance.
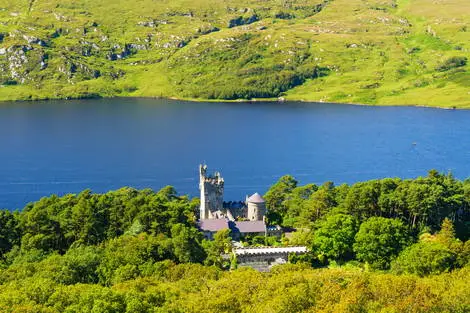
(355, 51)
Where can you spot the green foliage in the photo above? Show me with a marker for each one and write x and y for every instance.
(421, 203)
(425, 258)
(79, 265)
(54, 224)
(307, 259)
(9, 232)
(296, 203)
(80, 239)
(463, 258)
(233, 261)
(135, 251)
(451, 63)
(379, 240)
(318, 204)
(446, 235)
(186, 244)
(301, 237)
(334, 237)
(125, 257)
(276, 198)
(434, 254)
(222, 244)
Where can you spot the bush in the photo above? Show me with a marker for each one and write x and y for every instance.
(424, 258)
(451, 63)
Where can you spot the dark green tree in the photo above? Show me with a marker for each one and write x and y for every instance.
(334, 237)
(362, 199)
(379, 240)
(79, 265)
(222, 244)
(297, 204)
(10, 234)
(127, 257)
(318, 204)
(186, 242)
(276, 197)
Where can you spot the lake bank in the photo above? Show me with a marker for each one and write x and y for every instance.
(257, 100)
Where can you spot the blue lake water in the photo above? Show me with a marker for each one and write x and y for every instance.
(59, 147)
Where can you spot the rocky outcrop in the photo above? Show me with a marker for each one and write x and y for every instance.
(119, 52)
(241, 20)
(147, 24)
(72, 69)
(207, 29)
(173, 42)
(16, 58)
(34, 40)
(138, 47)
(89, 48)
(20, 63)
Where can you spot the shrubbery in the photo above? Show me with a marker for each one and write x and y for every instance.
(451, 63)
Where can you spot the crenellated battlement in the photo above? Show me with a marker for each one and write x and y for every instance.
(212, 193)
(214, 180)
(214, 207)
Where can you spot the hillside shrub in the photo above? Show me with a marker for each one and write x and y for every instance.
(453, 62)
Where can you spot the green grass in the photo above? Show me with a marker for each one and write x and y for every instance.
(379, 52)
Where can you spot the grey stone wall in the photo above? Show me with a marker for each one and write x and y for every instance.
(212, 193)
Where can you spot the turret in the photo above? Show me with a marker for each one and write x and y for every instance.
(256, 207)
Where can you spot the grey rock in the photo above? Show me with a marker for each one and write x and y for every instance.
(147, 24)
(34, 40)
(137, 46)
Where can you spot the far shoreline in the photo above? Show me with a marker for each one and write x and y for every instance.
(246, 101)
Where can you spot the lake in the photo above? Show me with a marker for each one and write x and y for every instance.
(59, 147)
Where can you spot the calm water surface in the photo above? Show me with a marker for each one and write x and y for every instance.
(63, 147)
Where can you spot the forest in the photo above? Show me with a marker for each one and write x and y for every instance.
(388, 245)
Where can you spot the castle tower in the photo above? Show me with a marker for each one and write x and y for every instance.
(212, 193)
(256, 207)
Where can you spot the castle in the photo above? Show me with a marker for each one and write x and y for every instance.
(242, 218)
(214, 207)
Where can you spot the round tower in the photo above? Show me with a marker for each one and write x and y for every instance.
(256, 207)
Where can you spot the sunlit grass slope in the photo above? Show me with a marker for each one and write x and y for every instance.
(388, 52)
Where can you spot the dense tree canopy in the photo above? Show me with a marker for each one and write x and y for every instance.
(335, 237)
(421, 203)
(425, 258)
(277, 195)
(140, 251)
(434, 254)
(9, 232)
(379, 240)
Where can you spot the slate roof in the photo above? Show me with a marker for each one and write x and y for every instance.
(248, 227)
(256, 198)
(213, 225)
(242, 227)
